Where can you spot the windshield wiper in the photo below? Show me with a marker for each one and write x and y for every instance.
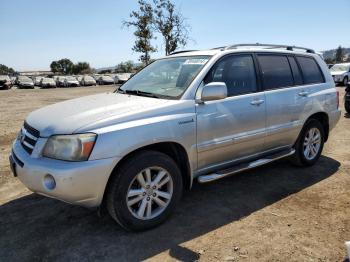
(140, 93)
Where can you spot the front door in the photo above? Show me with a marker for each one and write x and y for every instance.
(233, 127)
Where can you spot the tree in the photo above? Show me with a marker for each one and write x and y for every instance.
(62, 66)
(4, 70)
(142, 22)
(339, 55)
(82, 68)
(125, 67)
(170, 24)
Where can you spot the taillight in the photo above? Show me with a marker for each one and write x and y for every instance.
(337, 99)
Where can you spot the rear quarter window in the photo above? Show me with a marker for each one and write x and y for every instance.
(311, 72)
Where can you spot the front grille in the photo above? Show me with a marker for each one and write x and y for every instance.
(28, 137)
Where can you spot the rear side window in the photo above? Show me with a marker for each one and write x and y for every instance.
(276, 71)
(298, 80)
(311, 72)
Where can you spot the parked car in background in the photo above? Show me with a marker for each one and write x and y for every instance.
(202, 115)
(37, 80)
(121, 78)
(24, 82)
(79, 78)
(71, 81)
(47, 82)
(105, 80)
(87, 81)
(60, 81)
(5, 82)
(96, 76)
(13, 79)
(341, 73)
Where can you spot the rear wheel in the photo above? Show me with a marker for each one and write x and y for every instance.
(309, 145)
(144, 191)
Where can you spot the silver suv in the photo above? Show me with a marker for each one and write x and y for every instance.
(199, 115)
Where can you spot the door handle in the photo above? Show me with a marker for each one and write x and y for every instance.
(303, 93)
(257, 102)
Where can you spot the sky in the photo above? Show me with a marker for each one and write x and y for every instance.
(33, 33)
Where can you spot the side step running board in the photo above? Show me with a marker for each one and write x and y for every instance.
(244, 166)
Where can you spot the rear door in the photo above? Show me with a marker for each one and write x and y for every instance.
(233, 127)
(287, 99)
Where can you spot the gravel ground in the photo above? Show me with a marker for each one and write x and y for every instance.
(274, 213)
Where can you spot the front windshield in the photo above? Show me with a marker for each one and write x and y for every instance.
(340, 67)
(71, 78)
(24, 78)
(107, 78)
(90, 78)
(167, 77)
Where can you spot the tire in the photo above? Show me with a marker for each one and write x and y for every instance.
(300, 158)
(345, 81)
(347, 106)
(125, 182)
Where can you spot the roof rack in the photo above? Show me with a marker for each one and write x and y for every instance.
(182, 51)
(271, 46)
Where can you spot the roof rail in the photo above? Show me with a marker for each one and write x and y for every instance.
(272, 46)
(182, 51)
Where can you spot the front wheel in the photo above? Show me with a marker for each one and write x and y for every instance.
(144, 191)
(345, 81)
(309, 145)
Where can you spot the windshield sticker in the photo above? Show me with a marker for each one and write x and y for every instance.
(195, 61)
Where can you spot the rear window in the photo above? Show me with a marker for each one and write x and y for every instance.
(276, 71)
(311, 72)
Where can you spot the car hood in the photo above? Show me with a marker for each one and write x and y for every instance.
(336, 73)
(69, 116)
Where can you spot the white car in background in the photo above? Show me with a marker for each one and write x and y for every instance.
(71, 81)
(47, 82)
(121, 78)
(37, 80)
(341, 73)
(60, 81)
(88, 81)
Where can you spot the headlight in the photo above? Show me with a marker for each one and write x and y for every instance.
(70, 147)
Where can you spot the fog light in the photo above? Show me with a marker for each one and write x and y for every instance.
(49, 182)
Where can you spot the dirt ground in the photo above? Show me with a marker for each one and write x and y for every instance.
(274, 213)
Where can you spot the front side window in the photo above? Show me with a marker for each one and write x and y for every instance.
(167, 77)
(237, 72)
(276, 71)
(311, 72)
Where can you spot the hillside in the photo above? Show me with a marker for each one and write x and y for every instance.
(331, 53)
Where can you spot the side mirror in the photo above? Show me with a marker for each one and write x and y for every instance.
(213, 91)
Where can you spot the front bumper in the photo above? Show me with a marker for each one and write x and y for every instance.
(80, 183)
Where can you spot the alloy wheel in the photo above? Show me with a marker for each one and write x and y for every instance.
(312, 143)
(149, 193)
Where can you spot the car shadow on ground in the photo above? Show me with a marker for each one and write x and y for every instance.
(38, 228)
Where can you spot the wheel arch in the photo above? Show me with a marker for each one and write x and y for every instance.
(323, 118)
(173, 149)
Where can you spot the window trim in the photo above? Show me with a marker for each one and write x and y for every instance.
(255, 64)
